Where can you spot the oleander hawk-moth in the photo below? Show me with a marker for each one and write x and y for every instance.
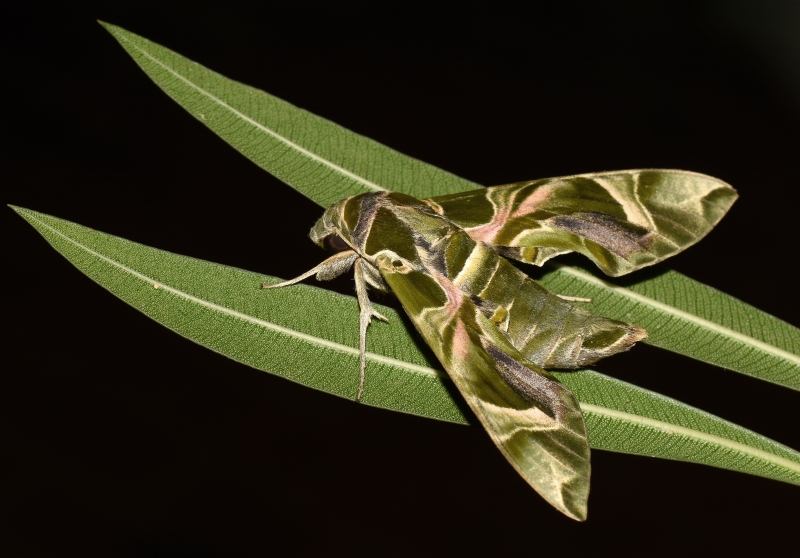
(492, 327)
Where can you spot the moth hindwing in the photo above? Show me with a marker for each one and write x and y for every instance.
(494, 329)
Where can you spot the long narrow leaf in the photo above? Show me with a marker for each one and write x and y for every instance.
(320, 159)
(224, 309)
(327, 162)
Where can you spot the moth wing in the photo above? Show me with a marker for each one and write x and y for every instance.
(549, 331)
(622, 220)
(546, 329)
(534, 420)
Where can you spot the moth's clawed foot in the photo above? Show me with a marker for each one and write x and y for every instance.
(375, 314)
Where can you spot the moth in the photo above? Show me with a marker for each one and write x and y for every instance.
(493, 328)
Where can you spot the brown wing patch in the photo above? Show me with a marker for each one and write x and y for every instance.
(605, 230)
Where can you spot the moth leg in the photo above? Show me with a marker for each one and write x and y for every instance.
(365, 317)
(327, 270)
(574, 298)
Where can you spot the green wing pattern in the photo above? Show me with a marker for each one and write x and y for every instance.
(546, 329)
(533, 419)
(622, 220)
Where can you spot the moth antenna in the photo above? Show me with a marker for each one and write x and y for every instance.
(330, 268)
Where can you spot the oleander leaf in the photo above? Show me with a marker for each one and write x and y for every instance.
(327, 162)
(223, 309)
(322, 160)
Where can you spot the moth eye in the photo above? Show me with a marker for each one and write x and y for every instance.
(333, 243)
(397, 263)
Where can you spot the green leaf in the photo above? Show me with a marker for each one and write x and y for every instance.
(318, 158)
(224, 309)
(327, 162)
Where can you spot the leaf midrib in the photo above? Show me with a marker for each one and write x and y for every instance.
(586, 407)
(691, 433)
(313, 156)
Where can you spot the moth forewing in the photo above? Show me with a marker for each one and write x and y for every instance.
(534, 420)
(621, 220)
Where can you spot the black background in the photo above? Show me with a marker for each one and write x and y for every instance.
(121, 438)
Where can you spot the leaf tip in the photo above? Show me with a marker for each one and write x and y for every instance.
(23, 212)
(113, 29)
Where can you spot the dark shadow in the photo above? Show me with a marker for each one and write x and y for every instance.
(166, 548)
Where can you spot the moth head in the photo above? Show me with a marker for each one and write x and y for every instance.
(334, 230)
(327, 225)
